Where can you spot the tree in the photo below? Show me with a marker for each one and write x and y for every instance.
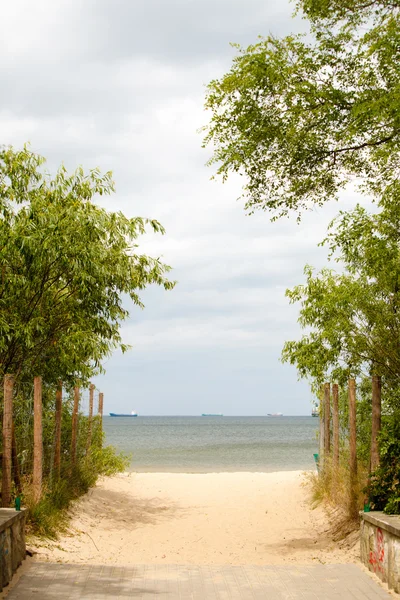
(301, 119)
(353, 317)
(353, 329)
(65, 265)
(68, 269)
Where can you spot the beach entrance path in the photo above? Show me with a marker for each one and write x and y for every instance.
(199, 536)
(46, 581)
(198, 519)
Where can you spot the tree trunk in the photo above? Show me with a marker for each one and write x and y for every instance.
(376, 420)
(327, 415)
(353, 447)
(7, 441)
(74, 425)
(57, 433)
(37, 439)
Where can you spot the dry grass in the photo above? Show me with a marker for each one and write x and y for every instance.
(331, 487)
(45, 518)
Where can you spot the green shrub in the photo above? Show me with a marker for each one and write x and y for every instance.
(106, 461)
(384, 488)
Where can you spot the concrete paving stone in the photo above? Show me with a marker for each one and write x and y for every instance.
(46, 581)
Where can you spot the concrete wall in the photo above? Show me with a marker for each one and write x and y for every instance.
(12, 543)
(380, 546)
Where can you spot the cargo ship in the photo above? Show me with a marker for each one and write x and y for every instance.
(212, 415)
(132, 414)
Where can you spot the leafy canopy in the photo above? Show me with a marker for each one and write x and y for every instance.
(352, 318)
(299, 119)
(65, 264)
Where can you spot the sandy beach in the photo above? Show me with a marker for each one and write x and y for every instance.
(213, 518)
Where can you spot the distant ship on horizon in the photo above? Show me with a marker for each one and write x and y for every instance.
(132, 414)
(275, 415)
(212, 415)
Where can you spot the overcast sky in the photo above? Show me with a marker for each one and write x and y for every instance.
(120, 84)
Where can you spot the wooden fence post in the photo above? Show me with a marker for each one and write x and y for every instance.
(57, 433)
(74, 425)
(335, 425)
(327, 416)
(101, 399)
(321, 429)
(353, 446)
(37, 439)
(376, 420)
(7, 441)
(91, 396)
(15, 463)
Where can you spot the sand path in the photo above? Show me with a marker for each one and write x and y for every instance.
(214, 518)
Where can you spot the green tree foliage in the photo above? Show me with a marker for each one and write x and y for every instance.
(352, 318)
(302, 116)
(65, 266)
(384, 488)
(351, 13)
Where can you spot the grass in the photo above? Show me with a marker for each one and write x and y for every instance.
(331, 487)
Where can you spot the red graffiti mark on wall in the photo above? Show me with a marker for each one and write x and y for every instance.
(377, 556)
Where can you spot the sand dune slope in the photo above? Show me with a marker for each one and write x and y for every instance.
(213, 518)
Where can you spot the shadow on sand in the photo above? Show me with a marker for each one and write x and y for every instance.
(120, 509)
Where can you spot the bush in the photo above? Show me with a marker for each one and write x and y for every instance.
(384, 488)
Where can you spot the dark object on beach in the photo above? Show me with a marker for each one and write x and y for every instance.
(316, 458)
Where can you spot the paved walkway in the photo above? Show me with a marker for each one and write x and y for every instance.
(45, 581)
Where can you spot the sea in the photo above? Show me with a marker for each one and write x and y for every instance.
(214, 444)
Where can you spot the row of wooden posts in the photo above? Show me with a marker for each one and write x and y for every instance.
(10, 459)
(330, 409)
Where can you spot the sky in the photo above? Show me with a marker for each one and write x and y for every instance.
(120, 84)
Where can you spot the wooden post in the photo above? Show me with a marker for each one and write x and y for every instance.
(74, 425)
(57, 433)
(376, 420)
(15, 463)
(327, 415)
(353, 446)
(91, 396)
(321, 429)
(335, 424)
(101, 398)
(7, 441)
(37, 439)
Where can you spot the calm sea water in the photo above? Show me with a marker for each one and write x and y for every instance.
(214, 444)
